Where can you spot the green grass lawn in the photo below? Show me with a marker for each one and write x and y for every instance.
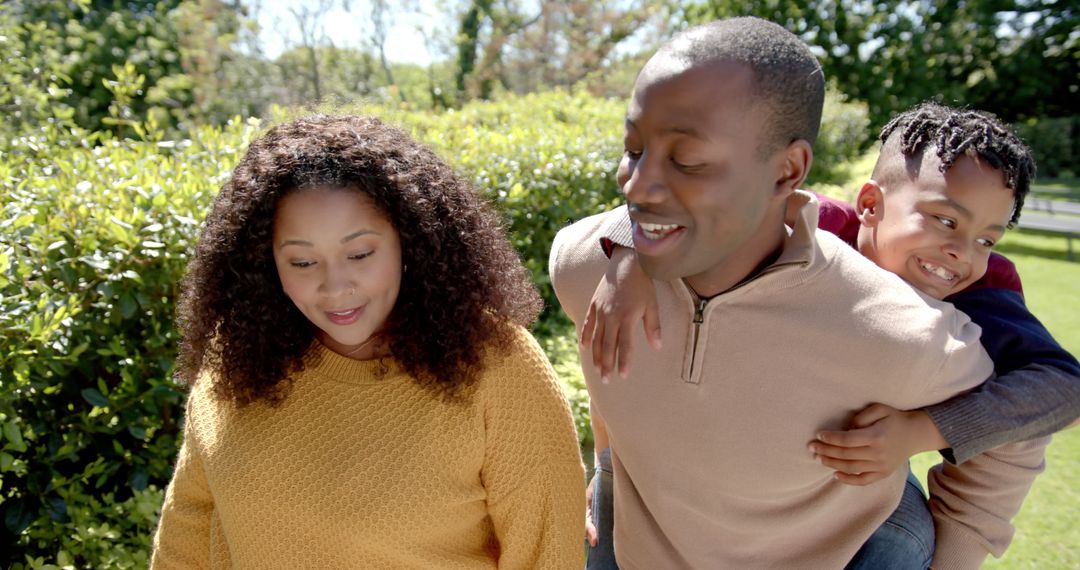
(1048, 526)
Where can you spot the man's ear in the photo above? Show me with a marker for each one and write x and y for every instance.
(798, 156)
(870, 204)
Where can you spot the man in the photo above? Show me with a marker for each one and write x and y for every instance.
(782, 331)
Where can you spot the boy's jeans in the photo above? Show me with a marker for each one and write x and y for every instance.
(904, 541)
(602, 557)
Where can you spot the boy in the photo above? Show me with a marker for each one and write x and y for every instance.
(953, 178)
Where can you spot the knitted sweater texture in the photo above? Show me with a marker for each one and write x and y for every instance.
(361, 467)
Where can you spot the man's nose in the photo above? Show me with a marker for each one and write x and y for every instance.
(643, 179)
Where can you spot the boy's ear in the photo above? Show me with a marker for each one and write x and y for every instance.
(798, 156)
(870, 204)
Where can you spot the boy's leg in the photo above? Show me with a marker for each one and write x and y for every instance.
(905, 540)
(602, 557)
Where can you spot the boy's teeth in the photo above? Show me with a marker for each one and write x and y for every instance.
(939, 271)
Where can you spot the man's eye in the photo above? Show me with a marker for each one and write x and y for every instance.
(686, 167)
(634, 154)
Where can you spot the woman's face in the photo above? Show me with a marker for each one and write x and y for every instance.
(339, 260)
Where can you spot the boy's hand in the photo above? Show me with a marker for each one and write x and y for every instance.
(590, 529)
(624, 296)
(879, 441)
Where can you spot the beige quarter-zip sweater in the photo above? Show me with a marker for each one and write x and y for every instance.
(709, 435)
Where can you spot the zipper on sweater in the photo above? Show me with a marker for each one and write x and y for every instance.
(699, 310)
(699, 317)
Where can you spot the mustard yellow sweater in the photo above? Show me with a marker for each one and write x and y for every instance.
(358, 470)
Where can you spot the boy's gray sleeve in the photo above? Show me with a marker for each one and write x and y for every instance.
(1036, 392)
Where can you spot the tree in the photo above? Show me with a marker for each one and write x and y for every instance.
(84, 42)
(558, 45)
(1017, 58)
(309, 17)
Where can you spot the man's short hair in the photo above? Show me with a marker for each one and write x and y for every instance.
(787, 77)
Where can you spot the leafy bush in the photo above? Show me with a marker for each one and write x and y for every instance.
(844, 135)
(545, 159)
(95, 234)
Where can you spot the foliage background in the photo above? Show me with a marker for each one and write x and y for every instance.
(120, 120)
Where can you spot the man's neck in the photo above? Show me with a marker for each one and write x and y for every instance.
(707, 287)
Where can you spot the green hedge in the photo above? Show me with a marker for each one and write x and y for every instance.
(94, 237)
(95, 234)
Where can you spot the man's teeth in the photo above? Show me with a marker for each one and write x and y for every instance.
(656, 231)
(939, 271)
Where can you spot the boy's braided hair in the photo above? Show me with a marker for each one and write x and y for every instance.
(955, 132)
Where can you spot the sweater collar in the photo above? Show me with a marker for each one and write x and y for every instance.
(325, 362)
(801, 219)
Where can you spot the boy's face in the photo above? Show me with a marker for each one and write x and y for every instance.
(695, 182)
(936, 231)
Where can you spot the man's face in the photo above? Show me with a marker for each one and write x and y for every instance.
(936, 231)
(696, 184)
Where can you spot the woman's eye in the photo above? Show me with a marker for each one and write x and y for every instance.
(358, 256)
(947, 222)
(301, 264)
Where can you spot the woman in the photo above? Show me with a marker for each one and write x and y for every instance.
(364, 392)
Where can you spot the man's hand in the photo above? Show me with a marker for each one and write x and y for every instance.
(879, 441)
(624, 297)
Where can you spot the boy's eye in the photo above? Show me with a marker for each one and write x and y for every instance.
(634, 154)
(947, 222)
(985, 242)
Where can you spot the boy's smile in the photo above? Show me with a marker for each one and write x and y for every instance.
(936, 231)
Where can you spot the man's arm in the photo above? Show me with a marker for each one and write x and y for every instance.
(1036, 393)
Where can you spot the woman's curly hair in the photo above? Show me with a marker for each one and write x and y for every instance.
(464, 288)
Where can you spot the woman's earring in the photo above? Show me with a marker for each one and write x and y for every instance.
(404, 268)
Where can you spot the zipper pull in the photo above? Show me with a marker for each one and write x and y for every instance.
(699, 314)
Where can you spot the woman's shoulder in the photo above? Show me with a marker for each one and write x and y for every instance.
(204, 405)
(516, 363)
